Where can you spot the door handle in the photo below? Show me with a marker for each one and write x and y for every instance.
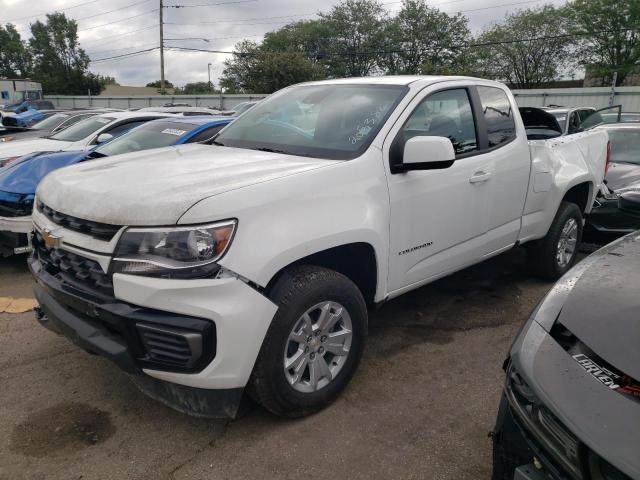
(480, 177)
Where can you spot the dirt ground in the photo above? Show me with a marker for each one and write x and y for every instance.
(420, 406)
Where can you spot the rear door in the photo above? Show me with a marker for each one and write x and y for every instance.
(509, 163)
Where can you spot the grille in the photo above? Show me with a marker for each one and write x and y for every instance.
(79, 272)
(9, 122)
(15, 209)
(101, 231)
(170, 346)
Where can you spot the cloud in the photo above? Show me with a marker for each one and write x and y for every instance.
(108, 29)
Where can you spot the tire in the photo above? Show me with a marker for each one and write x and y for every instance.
(288, 393)
(544, 253)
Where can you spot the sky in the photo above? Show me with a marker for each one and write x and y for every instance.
(118, 27)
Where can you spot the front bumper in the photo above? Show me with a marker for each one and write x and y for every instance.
(16, 224)
(231, 318)
(14, 235)
(608, 221)
(581, 419)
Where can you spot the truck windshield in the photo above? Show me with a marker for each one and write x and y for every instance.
(562, 119)
(149, 135)
(82, 129)
(334, 121)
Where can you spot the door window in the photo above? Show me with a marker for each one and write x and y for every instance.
(444, 114)
(574, 123)
(498, 115)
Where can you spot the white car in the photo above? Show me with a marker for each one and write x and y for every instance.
(80, 136)
(205, 269)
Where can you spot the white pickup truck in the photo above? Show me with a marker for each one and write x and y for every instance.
(251, 262)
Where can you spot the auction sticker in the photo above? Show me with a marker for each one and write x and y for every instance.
(174, 131)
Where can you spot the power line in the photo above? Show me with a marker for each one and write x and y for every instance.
(209, 4)
(111, 11)
(120, 34)
(120, 49)
(131, 54)
(120, 20)
(498, 6)
(382, 52)
(58, 10)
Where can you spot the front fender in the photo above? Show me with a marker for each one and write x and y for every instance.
(285, 220)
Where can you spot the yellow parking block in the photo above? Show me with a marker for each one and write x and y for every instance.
(17, 305)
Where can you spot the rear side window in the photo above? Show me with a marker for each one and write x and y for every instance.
(498, 115)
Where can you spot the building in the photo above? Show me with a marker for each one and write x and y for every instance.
(15, 90)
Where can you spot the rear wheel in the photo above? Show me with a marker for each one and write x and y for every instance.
(314, 343)
(556, 253)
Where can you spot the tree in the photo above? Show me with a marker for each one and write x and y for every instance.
(357, 35)
(256, 70)
(198, 88)
(58, 61)
(15, 58)
(423, 39)
(156, 84)
(610, 36)
(308, 37)
(527, 49)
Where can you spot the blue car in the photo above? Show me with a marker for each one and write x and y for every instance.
(22, 115)
(20, 178)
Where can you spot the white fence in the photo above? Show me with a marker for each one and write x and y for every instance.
(223, 102)
(599, 97)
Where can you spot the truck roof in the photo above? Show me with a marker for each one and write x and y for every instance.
(393, 80)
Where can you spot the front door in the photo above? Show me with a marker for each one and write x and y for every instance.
(437, 216)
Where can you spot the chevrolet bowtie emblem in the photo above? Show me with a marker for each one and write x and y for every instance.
(50, 239)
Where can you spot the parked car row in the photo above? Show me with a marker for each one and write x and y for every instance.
(212, 256)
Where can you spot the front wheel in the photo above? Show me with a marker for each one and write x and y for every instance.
(314, 343)
(556, 253)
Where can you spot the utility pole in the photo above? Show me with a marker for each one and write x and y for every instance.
(161, 50)
(612, 95)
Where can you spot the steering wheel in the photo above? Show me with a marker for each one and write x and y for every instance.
(289, 128)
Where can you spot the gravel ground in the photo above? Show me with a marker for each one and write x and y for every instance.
(420, 406)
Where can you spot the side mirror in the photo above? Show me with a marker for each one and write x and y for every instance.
(426, 153)
(104, 137)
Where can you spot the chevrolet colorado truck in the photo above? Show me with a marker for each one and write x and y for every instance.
(251, 262)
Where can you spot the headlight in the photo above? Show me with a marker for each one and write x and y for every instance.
(7, 139)
(173, 252)
(6, 161)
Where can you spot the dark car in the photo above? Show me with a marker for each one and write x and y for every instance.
(613, 215)
(571, 402)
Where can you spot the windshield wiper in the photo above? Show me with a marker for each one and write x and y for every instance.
(270, 150)
(95, 154)
(216, 142)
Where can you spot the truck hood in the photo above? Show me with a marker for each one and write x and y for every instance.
(602, 309)
(17, 148)
(156, 187)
